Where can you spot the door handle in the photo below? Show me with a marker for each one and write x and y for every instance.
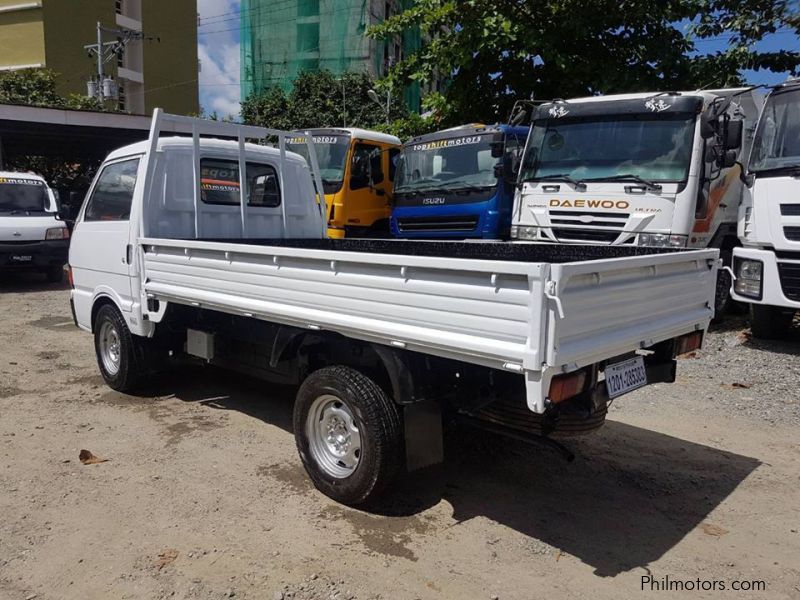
(128, 255)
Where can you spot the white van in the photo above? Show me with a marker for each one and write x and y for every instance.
(31, 237)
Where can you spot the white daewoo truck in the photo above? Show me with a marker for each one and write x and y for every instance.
(767, 266)
(656, 170)
(217, 250)
(31, 236)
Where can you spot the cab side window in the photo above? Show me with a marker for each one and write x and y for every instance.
(360, 167)
(113, 193)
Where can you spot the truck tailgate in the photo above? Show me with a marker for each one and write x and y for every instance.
(609, 307)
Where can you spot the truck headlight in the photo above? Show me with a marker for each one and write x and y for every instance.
(662, 240)
(57, 233)
(521, 232)
(749, 277)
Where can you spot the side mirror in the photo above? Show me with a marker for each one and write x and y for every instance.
(733, 135)
(708, 124)
(498, 148)
(499, 170)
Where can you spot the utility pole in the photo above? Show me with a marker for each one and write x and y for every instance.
(105, 88)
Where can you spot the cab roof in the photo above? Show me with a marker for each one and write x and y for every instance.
(217, 146)
(355, 133)
(469, 129)
(21, 175)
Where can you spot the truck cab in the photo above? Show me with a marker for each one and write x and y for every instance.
(650, 169)
(457, 183)
(357, 168)
(767, 265)
(31, 236)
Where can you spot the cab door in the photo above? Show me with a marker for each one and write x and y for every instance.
(367, 202)
(101, 253)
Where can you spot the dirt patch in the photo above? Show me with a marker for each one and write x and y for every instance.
(292, 476)
(8, 391)
(53, 323)
(48, 355)
(198, 423)
(389, 536)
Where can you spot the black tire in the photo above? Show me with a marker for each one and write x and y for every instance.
(378, 421)
(132, 365)
(770, 322)
(54, 274)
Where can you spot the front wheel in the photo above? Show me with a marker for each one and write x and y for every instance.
(120, 354)
(348, 434)
(770, 322)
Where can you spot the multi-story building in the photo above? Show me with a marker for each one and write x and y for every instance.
(282, 38)
(159, 70)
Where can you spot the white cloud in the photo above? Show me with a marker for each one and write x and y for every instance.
(218, 51)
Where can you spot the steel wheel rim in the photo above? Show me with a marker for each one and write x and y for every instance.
(110, 347)
(333, 436)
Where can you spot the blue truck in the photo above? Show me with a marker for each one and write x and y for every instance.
(457, 183)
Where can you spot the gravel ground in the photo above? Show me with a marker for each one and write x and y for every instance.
(203, 496)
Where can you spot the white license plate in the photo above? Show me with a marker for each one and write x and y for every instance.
(21, 258)
(625, 376)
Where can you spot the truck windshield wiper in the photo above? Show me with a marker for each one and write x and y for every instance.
(578, 183)
(629, 177)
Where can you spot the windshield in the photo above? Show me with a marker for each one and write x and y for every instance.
(448, 163)
(331, 155)
(655, 148)
(777, 141)
(22, 196)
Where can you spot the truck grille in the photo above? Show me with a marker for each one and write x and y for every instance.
(593, 218)
(790, 280)
(414, 224)
(586, 235)
(790, 210)
(792, 233)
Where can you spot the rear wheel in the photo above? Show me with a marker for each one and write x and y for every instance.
(348, 434)
(120, 355)
(770, 322)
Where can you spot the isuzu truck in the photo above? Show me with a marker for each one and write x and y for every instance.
(651, 169)
(767, 265)
(458, 183)
(217, 250)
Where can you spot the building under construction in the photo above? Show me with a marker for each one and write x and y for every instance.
(282, 38)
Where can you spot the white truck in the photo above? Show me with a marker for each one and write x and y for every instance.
(648, 169)
(175, 252)
(767, 266)
(32, 238)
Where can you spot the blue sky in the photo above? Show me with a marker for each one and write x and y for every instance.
(218, 51)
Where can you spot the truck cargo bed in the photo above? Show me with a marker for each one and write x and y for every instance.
(537, 310)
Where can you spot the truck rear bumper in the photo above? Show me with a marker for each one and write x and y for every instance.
(33, 255)
(780, 277)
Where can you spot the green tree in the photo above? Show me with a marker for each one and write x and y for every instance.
(37, 87)
(321, 99)
(498, 51)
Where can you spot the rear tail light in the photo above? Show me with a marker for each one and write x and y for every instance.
(688, 343)
(564, 387)
(69, 276)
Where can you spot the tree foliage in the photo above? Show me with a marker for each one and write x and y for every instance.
(37, 87)
(320, 99)
(498, 51)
